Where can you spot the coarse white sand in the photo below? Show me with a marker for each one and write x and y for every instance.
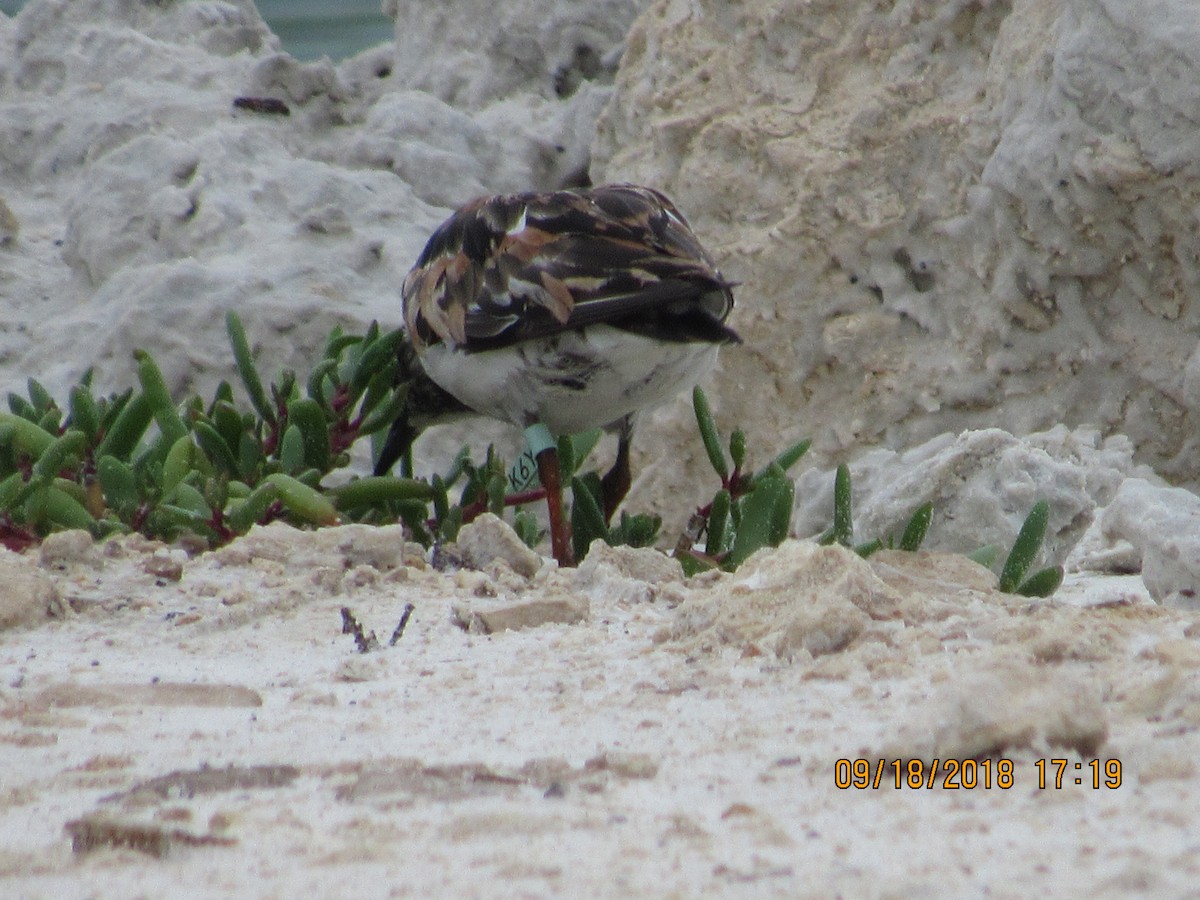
(210, 729)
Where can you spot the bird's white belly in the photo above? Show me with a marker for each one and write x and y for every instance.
(572, 381)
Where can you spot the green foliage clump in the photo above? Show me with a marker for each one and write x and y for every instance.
(842, 529)
(751, 510)
(138, 462)
(1025, 550)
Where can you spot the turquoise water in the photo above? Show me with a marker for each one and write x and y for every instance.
(311, 29)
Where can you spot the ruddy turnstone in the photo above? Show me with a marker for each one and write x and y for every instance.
(564, 311)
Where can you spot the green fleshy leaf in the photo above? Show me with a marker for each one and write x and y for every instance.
(870, 547)
(244, 513)
(462, 461)
(126, 431)
(49, 506)
(638, 530)
(694, 563)
(788, 457)
(23, 408)
(178, 463)
(525, 524)
(224, 393)
(737, 448)
(39, 396)
(379, 490)
(119, 484)
(1042, 583)
(497, 487)
(1026, 547)
(584, 443)
(246, 368)
(185, 496)
(766, 516)
(451, 524)
(111, 408)
(378, 356)
(378, 390)
(917, 528)
(566, 458)
(228, 423)
(709, 434)
(85, 415)
(27, 437)
(843, 517)
(50, 420)
(718, 523)
(323, 372)
(155, 390)
(441, 498)
(250, 457)
(291, 450)
(386, 413)
(304, 501)
(215, 448)
(587, 517)
(167, 521)
(10, 490)
(63, 449)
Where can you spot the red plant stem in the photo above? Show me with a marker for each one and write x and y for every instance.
(473, 510)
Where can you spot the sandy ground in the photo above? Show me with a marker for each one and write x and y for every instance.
(205, 723)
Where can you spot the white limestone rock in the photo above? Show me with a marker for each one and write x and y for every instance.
(1162, 524)
(942, 216)
(148, 205)
(982, 485)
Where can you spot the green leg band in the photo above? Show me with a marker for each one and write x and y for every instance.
(538, 438)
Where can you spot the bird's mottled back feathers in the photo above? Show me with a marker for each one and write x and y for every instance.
(518, 266)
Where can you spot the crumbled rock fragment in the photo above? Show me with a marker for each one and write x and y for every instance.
(381, 547)
(1163, 525)
(999, 704)
(62, 548)
(489, 537)
(933, 585)
(160, 693)
(801, 598)
(27, 595)
(514, 615)
(625, 574)
(165, 564)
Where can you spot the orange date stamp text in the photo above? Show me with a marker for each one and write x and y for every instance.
(971, 774)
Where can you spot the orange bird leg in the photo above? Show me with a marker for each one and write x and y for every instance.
(560, 528)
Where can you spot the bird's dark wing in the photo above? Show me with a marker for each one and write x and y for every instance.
(520, 266)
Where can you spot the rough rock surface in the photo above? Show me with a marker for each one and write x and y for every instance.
(141, 204)
(27, 595)
(1163, 526)
(982, 485)
(943, 215)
